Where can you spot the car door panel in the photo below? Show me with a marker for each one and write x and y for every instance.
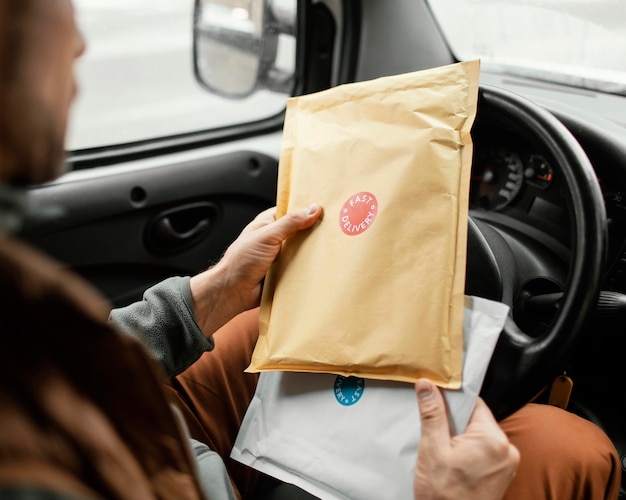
(129, 230)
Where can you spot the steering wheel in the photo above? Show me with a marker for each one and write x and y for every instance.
(499, 255)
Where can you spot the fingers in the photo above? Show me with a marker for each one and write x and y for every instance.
(496, 442)
(435, 430)
(483, 414)
(484, 422)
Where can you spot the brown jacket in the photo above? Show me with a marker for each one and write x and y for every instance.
(82, 408)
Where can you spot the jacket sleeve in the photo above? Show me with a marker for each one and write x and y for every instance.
(165, 324)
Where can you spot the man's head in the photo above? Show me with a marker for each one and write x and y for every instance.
(39, 42)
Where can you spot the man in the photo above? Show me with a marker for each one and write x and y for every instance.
(83, 410)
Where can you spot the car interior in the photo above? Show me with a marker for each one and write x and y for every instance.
(547, 224)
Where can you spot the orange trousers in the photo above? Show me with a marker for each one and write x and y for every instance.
(563, 456)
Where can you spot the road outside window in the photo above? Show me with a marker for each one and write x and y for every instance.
(136, 79)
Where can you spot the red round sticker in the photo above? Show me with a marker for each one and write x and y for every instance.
(358, 213)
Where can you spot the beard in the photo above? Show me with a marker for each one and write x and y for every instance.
(31, 144)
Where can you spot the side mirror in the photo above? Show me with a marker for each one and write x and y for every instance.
(241, 46)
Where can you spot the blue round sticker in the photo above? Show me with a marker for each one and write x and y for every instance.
(348, 390)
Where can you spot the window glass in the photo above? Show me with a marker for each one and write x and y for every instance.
(576, 42)
(136, 78)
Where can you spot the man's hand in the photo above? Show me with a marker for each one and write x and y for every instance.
(234, 284)
(480, 463)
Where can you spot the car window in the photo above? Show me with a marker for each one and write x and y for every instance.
(575, 42)
(137, 81)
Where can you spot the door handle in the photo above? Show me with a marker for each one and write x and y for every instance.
(166, 233)
(179, 228)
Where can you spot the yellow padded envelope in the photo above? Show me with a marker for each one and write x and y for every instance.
(375, 289)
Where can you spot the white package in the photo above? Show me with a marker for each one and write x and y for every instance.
(349, 438)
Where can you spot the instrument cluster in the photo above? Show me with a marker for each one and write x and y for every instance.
(500, 174)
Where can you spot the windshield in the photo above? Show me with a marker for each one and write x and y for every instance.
(575, 42)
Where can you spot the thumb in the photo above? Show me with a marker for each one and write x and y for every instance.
(432, 407)
(296, 220)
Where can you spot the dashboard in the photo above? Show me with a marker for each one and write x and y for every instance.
(515, 180)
